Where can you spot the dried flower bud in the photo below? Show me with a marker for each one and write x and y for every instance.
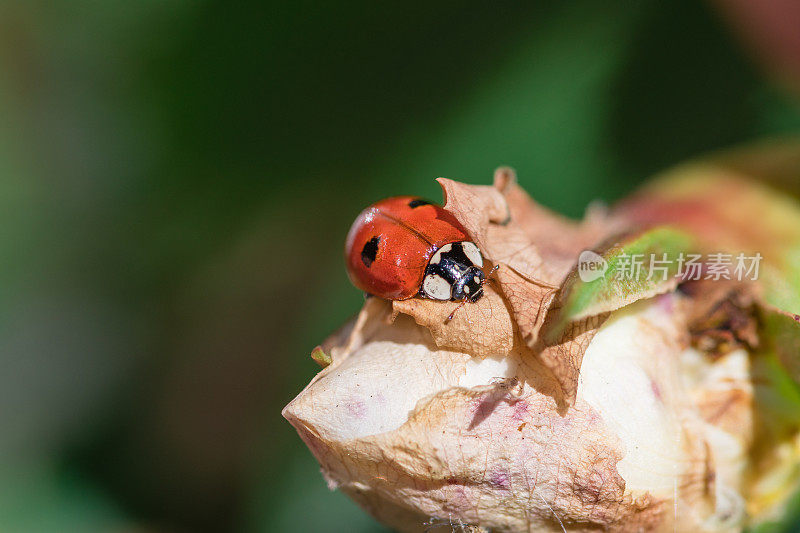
(558, 402)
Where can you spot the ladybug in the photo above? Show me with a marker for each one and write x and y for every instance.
(404, 246)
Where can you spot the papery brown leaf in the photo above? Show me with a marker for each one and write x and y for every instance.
(564, 354)
(483, 328)
(509, 227)
(483, 210)
(558, 239)
(528, 299)
(535, 249)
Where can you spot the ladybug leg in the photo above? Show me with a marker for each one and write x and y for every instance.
(451, 315)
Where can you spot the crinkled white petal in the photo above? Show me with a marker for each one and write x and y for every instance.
(626, 377)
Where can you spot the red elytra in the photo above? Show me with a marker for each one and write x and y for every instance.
(391, 243)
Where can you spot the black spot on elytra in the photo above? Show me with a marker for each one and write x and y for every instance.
(418, 202)
(370, 251)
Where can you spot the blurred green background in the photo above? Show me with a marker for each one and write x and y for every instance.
(178, 178)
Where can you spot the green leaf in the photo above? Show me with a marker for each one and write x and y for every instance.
(635, 266)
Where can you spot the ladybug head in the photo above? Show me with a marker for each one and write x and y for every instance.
(469, 285)
(454, 273)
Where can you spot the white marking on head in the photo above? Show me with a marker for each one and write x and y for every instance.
(436, 287)
(473, 253)
(438, 255)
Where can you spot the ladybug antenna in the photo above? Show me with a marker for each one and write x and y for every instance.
(489, 275)
(492, 271)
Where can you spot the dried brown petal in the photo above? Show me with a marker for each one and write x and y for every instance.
(563, 356)
(558, 239)
(483, 210)
(505, 223)
(484, 328)
(528, 299)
